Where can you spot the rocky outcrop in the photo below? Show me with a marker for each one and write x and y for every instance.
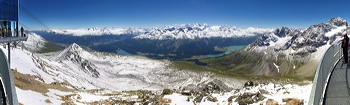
(272, 102)
(202, 91)
(249, 83)
(293, 101)
(249, 98)
(206, 87)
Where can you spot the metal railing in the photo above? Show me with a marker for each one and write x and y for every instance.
(326, 66)
(7, 81)
(12, 39)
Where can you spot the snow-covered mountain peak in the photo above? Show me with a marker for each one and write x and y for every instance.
(73, 53)
(300, 43)
(337, 21)
(75, 47)
(77, 55)
(192, 25)
(98, 31)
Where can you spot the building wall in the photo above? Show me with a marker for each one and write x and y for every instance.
(8, 10)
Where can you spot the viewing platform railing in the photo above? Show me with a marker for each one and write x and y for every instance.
(325, 68)
(12, 39)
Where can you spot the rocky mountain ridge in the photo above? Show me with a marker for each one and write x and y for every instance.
(284, 52)
(301, 43)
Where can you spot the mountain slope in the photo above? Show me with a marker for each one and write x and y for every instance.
(36, 43)
(94, 70)
(63, 78)
(284, 52)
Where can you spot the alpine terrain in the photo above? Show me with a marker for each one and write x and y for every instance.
(284, 52)
(274, 69)
(77, 76)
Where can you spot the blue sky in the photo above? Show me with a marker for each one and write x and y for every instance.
(64, 14)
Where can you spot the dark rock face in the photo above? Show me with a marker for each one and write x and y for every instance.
(89, 67)
(282, 32)
(264, 40)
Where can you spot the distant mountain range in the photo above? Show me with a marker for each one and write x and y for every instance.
(196, 31)
(98, 31)
(184, 31)
(175, 42)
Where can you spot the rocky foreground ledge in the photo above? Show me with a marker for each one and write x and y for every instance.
(210, 93)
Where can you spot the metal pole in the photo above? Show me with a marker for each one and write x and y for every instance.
(17, 29)
(9, 53)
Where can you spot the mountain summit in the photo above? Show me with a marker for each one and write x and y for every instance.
(73, 52)
(77, 55)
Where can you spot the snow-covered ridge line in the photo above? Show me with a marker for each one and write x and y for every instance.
(184, 31)
(201, 31)
(98, 31)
